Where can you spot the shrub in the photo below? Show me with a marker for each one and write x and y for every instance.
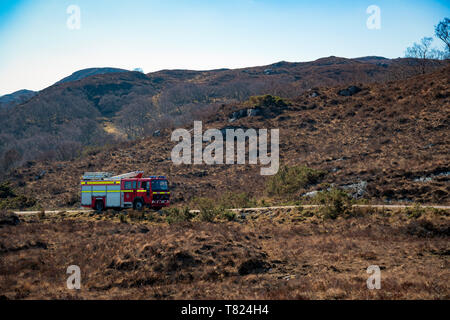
(6, 191)
(10, 200)
(266, 100)
(264, 203)
(208, 208)
(176, 215)
(229, 215)
(19, 202)
(334, 202)
(8, 218)
(289, 180)
(136, 215)
(72, 199)
(122, 218)
(415, 212)
(41, 214)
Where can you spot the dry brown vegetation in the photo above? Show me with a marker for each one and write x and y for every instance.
(57, 122)
(391, 134)
(394, 136)
(292, 254)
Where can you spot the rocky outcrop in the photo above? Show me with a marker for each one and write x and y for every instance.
(349, 91)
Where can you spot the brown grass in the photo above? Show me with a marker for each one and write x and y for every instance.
(292, 254)
(390, 135)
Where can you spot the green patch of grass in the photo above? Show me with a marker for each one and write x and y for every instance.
(209, 209)
(415, 212)
(266, 100)
(229, 215)
(18, 202)
(175, 215)
(289, 180)
(334, 203)
(439, 212)
(10, 200)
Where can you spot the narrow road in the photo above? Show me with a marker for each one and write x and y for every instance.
(389, 206)
(29, 213)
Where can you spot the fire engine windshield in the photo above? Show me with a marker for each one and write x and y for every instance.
(160, 185)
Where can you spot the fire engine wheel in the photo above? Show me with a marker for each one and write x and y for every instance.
(99, 206)
(138, 205)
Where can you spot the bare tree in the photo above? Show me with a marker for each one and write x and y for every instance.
(421, 51)
(440, 54)
(10, 158)
(442, 31)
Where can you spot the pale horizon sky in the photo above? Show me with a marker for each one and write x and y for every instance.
(37, 48)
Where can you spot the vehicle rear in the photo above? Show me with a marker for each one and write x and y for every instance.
(97, 192)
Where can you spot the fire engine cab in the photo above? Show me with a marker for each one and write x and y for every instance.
(102, 190)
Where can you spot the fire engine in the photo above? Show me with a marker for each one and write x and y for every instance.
(102, 190)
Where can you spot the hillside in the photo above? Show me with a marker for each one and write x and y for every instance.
(89, 72)
(10, 100)
(22, 96)
(59, 121)
(274, 255)
(388, 140)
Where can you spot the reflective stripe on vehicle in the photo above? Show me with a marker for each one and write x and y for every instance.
(162, 192)
(107, 191)
(99, 182)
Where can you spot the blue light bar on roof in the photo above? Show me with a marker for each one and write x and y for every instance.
(157, 177)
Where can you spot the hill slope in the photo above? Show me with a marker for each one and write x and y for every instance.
(391, 139)
(84, 73)
(15, 98)
(103, 108)
(21, 96)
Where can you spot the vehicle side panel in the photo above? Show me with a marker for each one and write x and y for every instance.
(113, 198)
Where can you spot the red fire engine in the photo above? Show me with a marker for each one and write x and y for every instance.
(101, 190)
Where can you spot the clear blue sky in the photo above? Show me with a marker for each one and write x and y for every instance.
(37, 48)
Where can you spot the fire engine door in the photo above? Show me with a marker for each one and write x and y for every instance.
(145, 185)
(129, 191)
